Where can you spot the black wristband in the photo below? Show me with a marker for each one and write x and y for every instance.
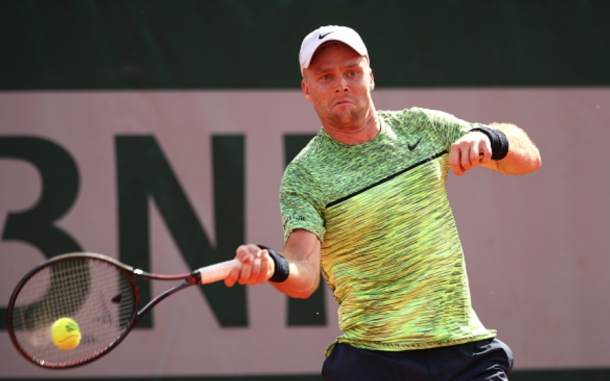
(499, 141)
(282, 267)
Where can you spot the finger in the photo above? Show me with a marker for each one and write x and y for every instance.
(454, 160)
(465, 158)
(244, 256)
(485, 150)
(474, 155)
(263, 276)
(485, 155)
(256, 270)
(246, 270)
(243, 253)
(232, 277)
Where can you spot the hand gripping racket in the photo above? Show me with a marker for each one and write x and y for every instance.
(98, 293)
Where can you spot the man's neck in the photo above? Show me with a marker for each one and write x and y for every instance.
(361, 133)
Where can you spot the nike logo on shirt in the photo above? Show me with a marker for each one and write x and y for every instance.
(412, 147)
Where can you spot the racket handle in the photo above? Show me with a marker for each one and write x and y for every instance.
(219, 271)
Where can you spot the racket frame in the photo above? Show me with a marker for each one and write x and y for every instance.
(190, 279)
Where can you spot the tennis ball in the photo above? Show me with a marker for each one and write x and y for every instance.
(66, 333)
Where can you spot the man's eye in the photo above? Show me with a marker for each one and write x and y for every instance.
(352, 73)
(325, 77)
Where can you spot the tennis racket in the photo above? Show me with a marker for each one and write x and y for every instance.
(98, 293)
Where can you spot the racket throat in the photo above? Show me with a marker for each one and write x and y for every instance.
(192, 280)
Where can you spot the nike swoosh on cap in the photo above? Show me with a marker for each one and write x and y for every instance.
(321, 36)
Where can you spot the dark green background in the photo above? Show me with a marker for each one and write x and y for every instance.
(231, 44)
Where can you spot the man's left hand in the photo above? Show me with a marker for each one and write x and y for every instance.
(470, 151)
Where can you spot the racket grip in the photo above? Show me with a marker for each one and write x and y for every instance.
(219, 271)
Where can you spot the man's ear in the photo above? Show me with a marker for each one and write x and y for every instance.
(372, 81)
(305, 91)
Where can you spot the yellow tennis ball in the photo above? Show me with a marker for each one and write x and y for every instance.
(66, 333)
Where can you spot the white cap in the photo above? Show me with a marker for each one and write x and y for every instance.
(330, 33)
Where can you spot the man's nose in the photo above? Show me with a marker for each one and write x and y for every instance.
(341, 86)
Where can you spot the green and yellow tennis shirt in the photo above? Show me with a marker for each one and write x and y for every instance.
(391, 253)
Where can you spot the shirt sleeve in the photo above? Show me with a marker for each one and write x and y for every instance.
(301, 203)
(447, 127)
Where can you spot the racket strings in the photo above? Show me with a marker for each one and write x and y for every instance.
(92, 292)
(49, 294)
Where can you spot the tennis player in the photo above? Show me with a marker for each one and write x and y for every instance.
(366, 202)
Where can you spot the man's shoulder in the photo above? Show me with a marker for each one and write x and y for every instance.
(419, 117)
(309, 159)
(311, 152)
(406, 120)
(420, 114)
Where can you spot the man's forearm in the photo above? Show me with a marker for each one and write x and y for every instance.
(302, 250)
(303, 280)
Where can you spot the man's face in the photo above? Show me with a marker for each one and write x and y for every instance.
(339, 82)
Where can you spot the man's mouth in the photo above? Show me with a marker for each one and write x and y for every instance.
(342, 102)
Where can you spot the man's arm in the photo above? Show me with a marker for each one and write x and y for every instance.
(302, 250)
(474, 149)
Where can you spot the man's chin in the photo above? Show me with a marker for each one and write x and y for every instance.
(346, 117)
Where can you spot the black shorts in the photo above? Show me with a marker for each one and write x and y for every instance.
(485, 360)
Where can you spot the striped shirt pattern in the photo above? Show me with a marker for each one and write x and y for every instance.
(391, 253)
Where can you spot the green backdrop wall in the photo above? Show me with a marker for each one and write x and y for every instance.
(231, 44)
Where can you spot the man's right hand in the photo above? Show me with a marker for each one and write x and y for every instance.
(257, 266)
(302, 251)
